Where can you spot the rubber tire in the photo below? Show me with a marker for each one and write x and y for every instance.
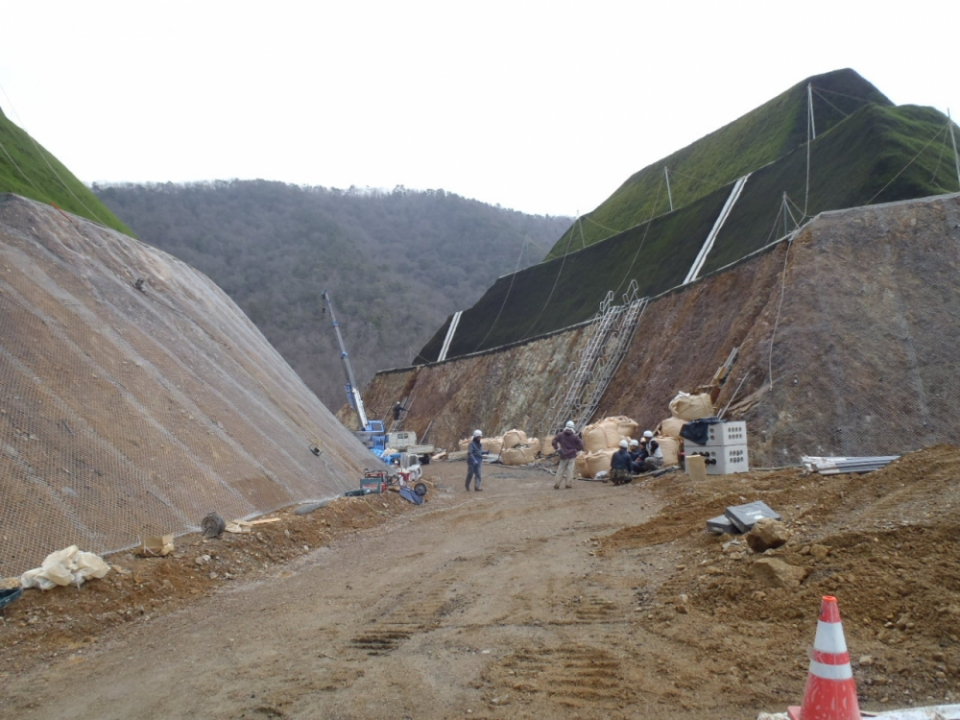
(420, 489)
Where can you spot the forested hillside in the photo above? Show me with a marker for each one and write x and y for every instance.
(396, 263)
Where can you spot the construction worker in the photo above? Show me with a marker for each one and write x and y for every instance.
(621, 465)
(569, 445)
(397, 409)
(638, 454)
(474, 461)
(654, 458)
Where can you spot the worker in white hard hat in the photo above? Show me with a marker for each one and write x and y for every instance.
(654, 455)
(474, 461)
(637, 455)
(569, 445)
(620, 465)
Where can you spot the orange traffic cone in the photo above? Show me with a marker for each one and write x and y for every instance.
(831, 693)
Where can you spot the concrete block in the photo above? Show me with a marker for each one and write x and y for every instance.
(745, 517)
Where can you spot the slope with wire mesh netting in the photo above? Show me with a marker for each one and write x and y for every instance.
(876, 153)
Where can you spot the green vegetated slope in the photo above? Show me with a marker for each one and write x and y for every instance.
(880, 154)
(29, 170)
(396, 263)
(876, 153)
(759, 137)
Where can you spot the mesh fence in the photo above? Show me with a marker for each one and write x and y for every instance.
(135, 397)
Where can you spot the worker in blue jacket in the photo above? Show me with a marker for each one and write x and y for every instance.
(474, 461)
(620, 465)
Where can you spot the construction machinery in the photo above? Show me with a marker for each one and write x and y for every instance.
(372, 432)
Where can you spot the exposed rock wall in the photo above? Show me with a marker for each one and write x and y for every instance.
(127, 412)
(848, 340)
(493, 391)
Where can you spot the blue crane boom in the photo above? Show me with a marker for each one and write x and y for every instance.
(371, 432)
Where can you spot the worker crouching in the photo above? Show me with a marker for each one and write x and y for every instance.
(621, 464)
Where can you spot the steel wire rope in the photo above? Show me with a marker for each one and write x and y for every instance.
(513, 279)
(20, 170)
(43, 154)
(852, 97)
(773, 228)
(599, 225)
(642, 239)
(810, 138)
(919, 153)
(556, 280)
(816, 90)
(711, 185)
(776, 321)
(936, 170)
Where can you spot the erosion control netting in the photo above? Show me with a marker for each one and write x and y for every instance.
(136, 398)
(865, 345)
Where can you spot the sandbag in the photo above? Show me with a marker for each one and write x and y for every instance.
(597, 462)
(580, 464)
(611, 431)
(594, 438)
(514, 437)
(522, 455)
(534, 444)
(671, 427)
(691, 407)
(670, 447)
(464, 444)
(626, 427)
(492, 445)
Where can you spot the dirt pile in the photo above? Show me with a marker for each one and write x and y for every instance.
(884, 543)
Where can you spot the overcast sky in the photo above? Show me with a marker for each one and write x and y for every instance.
(544, 106)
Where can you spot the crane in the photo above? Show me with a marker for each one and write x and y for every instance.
(371, 432)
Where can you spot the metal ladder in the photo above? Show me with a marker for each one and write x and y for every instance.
(579, 395)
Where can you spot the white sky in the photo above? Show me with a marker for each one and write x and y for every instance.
(542, 106)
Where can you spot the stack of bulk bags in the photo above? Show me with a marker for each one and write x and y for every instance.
(608, 433)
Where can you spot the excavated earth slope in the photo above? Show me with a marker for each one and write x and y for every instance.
(847, 337)
(127, 412)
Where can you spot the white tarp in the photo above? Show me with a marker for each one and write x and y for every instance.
(70, 566)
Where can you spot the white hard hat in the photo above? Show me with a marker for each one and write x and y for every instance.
(623, 443)
(647, 434)
(477, 433)
(634, 442)
(570, 424)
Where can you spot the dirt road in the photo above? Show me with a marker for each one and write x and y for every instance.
(520, 602)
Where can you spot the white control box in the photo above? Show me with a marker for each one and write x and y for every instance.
(725, 460)
(722, 434)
